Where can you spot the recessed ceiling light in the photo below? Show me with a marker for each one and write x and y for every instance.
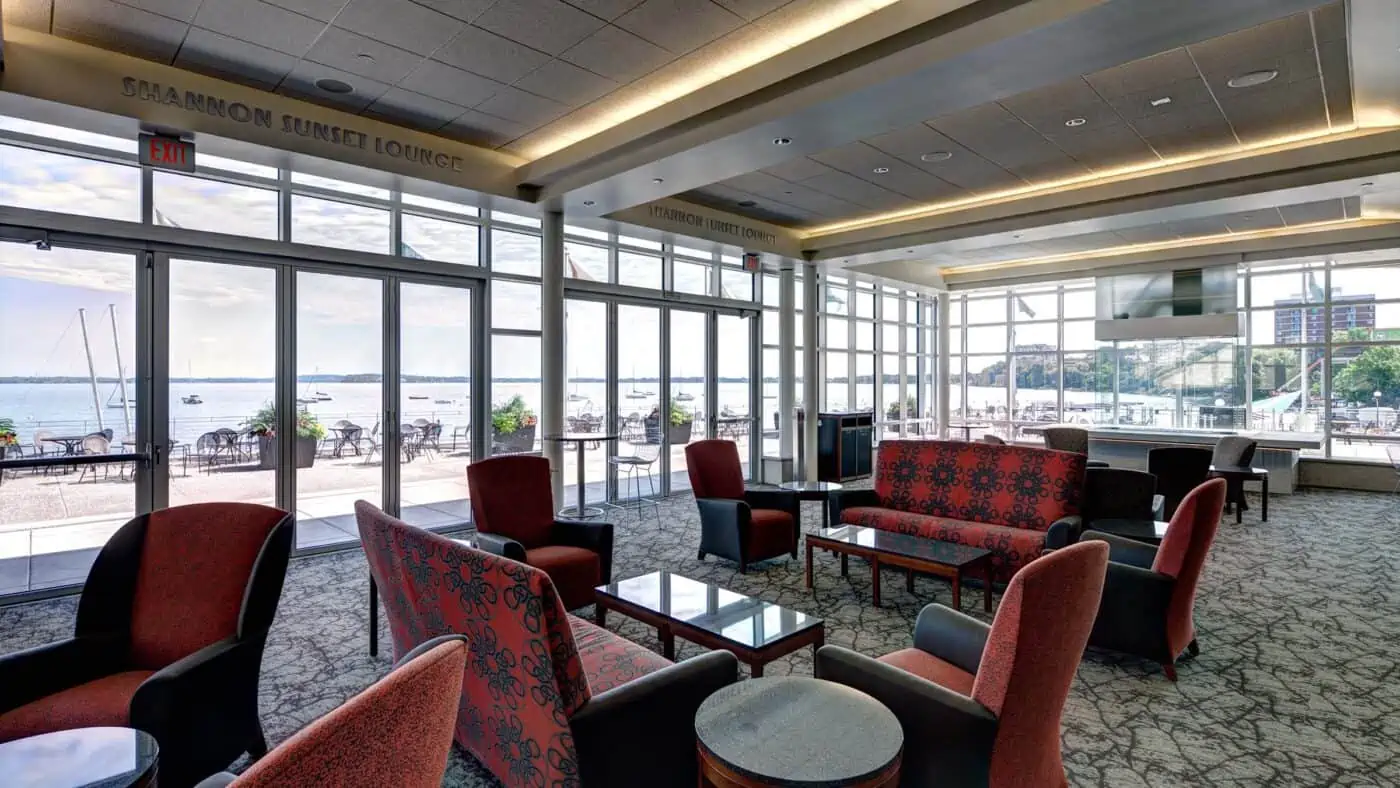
(1072, 122)
(658, 180)
(747, 203)
(365, 56)
(334, 86)
(787, 192)
(587, 202)
(782, 141)
(938, 155)
(881, 170)
(1252, 78)
(1157, 102)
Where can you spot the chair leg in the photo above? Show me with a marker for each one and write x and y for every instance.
(700, 556)
(1169, 669)
(600, 615)
(258, 747)
(1193, 648)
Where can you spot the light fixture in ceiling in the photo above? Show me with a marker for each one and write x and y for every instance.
(334, 86)
(782, 141)
(1159, 102)
(587, 202)
(746, 203)
(880, 170)
(365, 57)
(1252, 78)
(658, 180)
(938, 155)
(1072, 122)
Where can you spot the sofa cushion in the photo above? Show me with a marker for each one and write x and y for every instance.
(770, 534)
(104, 702)
(610, 660)
(1015, 486)
(575, 572)
(1012, 548)
(930, 668)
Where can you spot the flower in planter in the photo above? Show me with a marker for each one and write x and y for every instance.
(911, 407)
(512, 415)
(8, 436)
(264, 423)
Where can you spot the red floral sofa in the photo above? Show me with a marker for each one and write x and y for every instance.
(1016, 501)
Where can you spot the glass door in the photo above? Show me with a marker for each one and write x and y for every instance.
(638, 400)
(734, 417)
(586, 397)
(686, 413)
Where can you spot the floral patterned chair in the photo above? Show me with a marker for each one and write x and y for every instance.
(548, 699)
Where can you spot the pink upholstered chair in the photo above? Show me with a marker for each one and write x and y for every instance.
(1150, 593)
(398, 732)
(980, 705)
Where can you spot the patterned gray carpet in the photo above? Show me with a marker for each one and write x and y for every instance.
(1296, 684)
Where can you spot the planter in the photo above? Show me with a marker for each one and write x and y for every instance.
(678, 434)
(521, 440)
(267, 452)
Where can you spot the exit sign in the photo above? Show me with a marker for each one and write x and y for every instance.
(167, 153)
(751, 261)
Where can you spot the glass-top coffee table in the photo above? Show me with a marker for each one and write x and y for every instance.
(757, 632)
(913, 553)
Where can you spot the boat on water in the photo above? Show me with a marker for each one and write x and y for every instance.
(305, 401)
(577, 398)
(417, 396)
(685, 396)
(634, 394)
(442, 402)
(192, 399)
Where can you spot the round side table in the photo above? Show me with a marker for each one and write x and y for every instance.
(109, 757)
(814, 491)
(796, 731)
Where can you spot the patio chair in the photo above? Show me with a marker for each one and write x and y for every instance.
(432, 434)
(631, 467)
(96, 443)
(40, 448)
(463, 431)
(208, 448)
(410, 441)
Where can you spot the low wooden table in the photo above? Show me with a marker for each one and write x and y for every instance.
(797, 731)
(106, 757)
(913, 553)
(757, 632)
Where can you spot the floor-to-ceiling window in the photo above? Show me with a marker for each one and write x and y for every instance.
(685, 414)
(638, 398)
(586, 337)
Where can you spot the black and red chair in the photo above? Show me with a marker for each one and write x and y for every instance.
(169, 639)
(737, 523)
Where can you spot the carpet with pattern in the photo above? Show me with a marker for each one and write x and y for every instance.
(1296, 684)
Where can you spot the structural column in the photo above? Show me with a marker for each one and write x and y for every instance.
(552, 349)
(944, 394)
(787, 371)
(811, 368)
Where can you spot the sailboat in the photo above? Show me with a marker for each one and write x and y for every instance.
(636, 393)
(685, 396)
(191, 399)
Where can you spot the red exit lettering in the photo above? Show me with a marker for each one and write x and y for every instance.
(168, 153)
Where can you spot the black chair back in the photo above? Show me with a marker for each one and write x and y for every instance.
(1233, 451)
(1117, 493)
(1179, 470)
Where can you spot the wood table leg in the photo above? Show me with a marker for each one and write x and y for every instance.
(809, 564)
(668, 642)
(373, 618)
(756, 670)
(875, 578)
(845, 567)
(957, 590)
(909, 580)
(1264, 509)
(987, 587)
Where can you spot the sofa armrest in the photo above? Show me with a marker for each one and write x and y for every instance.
(847, 499)
(43, 670)
(1122, 550)
(597, 537)
(1063, 532)
(503, 546)
(1159, 506)
(724, 526)
(951, 636)
(642, 733)
(948, 737)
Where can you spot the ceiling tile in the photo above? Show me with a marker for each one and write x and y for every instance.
(853, 189)
(1197, 228)
(547, 25)
(1000, 137)
(260, 23)
(679, 25)
(444, 82)
(1106, 147)
(1253, 221)
(1185, 131)
(482, 129)
(345, 50)
(465, 10)
(862, 160)
(182, 10)
(32, 14)
(726, 199)
(567, 83)
(1149, 73)
(1351, 207)
(406, 107)
(752, 9)
(1050, 108)
(797, 169)
(965, 169)
(324, 10)
(1148, 234)
(605, 9)
(301, 83)
(1312, 212)
(1336, 81)
(400, 23)
(522, 107)
(489, 55)
(119, 28)
(233, 59)
(1262, 47)
(1272, 110)
(617, 54)
(1330, 22)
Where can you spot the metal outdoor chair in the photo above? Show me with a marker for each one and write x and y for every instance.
(96, 443)
(208, 450)
(631, 467)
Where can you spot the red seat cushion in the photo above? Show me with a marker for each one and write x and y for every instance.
(930, 668)
(574, 571)
(1012, 548)
(104, 702)
(609, 660)
(771, 533)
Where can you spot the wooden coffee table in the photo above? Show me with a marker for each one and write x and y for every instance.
(913, 553)
(757, 632)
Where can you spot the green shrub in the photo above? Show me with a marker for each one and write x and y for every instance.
(264, 422)
(512, 415)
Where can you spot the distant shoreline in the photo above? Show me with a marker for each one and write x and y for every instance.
(358, 379)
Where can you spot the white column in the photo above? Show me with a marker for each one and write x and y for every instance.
(552, 349)
(787, 349)
(944, 394)
(811, 377)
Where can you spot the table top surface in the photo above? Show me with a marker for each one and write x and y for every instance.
(741, 619)
(803, 487)
(906, 545)
(1239, 469)
(793, 730)
(571, 437)
(110, 757)
(1123, 526)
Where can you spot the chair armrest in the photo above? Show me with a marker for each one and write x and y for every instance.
(951, 636)
(187, 682)
(947, 736)
(597, 537)
(724, 526)
(773, 499)
(1159, 506)
(43, 670)
(220, 780)
(847, 499)
(1122, 550)
(1064, 532)
(503, 546)
(1132, 613)
(643, 732)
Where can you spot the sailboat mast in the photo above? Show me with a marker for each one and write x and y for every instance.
(121, 372)
(92, 374)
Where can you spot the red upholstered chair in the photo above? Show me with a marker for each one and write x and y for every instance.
(739, 524)
(169, 639)
(980, 705)
(548, 698)
(398, 732)
(513, 504)
(1151, 591)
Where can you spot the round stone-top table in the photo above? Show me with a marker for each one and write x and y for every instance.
(106, 757)
(814, 491)
(797, 731)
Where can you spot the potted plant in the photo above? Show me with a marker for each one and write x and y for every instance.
(310, 431)
(512, 426)
(8, 436)
(678, 428)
